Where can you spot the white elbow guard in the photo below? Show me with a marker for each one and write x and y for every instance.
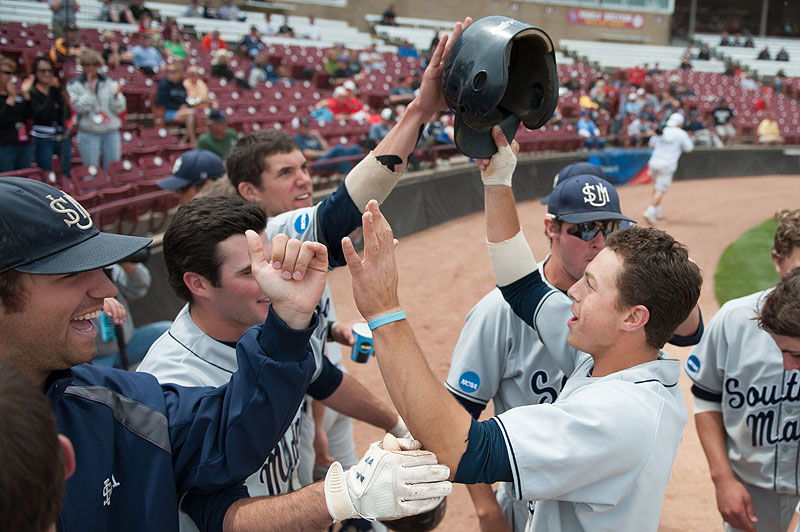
(512, 259)
(370, 180)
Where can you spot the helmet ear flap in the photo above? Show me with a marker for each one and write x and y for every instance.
(532, 91)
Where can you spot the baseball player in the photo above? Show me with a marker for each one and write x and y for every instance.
(499, 357)
(599, 457)
(745, 408)
(667, 150)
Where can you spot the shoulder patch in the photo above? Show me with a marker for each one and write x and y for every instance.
(301, 222)
(693, 364)
(469, 382)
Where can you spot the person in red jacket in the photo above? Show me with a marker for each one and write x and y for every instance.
(212, 42)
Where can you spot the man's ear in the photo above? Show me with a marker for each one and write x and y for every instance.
(197, 284)
(69, 455)
(551, 228)
(637, 318)
(249, 191)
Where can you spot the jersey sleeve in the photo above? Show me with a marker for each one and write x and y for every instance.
(327, 382)
(703, 366)
(581, 449)
(481, 354)
(208, 511)
(219, 436)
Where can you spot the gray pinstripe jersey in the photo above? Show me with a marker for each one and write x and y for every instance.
(740, 365)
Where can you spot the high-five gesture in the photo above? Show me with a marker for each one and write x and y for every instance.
(295, 277)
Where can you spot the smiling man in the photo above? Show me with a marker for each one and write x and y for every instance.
(600, 456)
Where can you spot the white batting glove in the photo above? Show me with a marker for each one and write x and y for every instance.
(387, 484)
(501, 167)
(400, 431)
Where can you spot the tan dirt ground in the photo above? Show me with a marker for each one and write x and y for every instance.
(445, 270)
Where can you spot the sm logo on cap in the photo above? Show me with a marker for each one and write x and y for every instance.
(74, 211)
(595, 195)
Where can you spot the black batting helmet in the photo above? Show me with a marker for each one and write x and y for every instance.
(421, 522)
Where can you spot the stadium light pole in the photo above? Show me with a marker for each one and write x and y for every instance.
(764, 11)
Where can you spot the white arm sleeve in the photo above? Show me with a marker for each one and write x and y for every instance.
(701, 405)
(370, 180)
(512, 259)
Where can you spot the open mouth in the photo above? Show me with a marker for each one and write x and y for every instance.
(303, 197)
(264, 300)
(83, 323)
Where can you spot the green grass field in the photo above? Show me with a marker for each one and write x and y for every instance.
(746, 265)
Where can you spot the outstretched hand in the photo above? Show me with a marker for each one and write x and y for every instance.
(295, 277)
(430, 96)
(374, 277)
(504, 157)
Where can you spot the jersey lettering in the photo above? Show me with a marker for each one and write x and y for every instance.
(279, 471)
(548, 394)
(765, 428)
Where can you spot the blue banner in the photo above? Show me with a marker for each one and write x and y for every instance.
(622, 165)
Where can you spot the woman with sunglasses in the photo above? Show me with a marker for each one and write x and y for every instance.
(98, 101)
(15, 146)
(48, 110)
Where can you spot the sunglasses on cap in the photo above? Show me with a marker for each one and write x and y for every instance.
(586, 231)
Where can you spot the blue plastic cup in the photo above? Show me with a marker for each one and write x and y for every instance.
(363, 347)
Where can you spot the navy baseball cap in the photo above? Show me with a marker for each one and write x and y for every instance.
(581, 168)
(585, 198)
(192, 168)
(217, 116)
(45, 231)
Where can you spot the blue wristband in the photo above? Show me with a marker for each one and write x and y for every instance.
(383, 320)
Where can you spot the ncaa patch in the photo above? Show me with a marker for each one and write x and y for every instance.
(693, 363)
(301, 222)
(469, 382)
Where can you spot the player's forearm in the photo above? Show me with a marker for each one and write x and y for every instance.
(402, 138)
(484, 500)
(430, 412)
(502, 221)
(352, 399)
(294, 512)
(691, 324)
(711, 431)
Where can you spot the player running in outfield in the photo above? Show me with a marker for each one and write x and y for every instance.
(499, 358)
(746, 405)
(600, 456)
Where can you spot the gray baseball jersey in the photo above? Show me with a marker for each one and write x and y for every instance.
(499, 357)
(739, 366)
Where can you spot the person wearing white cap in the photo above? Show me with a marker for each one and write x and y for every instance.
(667, 150)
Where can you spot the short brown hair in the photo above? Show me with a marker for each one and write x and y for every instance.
(88, 55)
(12, 296)
(780, 313)
(190, 243)
(8, 62)
(247, 159)
(787, 235)
(658, 274)
(32, 476)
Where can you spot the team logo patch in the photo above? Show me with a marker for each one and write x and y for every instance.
(469, 382)
(301, 222)
(595, 195)
(693, 364)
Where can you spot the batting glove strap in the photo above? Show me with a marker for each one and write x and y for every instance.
(387, 485)
(400, 430)
(501, 167)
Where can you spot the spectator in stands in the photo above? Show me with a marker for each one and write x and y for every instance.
(261, 70)
(636, 76)
(331, 61)
(146, 57)
(97, 100)
(341, 71)
(631, 106)
(639, 131)
(212, 42)
(747, 83)
(220, 138)
(353, 64)
(16, 150)
(406, 49)
(403, 93)
(782, 55)
(138, 9)
(748, 42)
(371, 59)
(704, 54)
(723, 121)
(779, 80)
(698, 132)
(193, 170)
(228, 11)
(209, 11)
(267, 27)
(389, 17)
(768, 131)
(763, 55)
(48, 113)
(251, 43)
(589, 130)
(311, 31)
(686, 63)
(111, 12)
(66, 48)
(196, 89)
(725, 40)
(64, 12)
(115, 54)
(285, 29)
(736, 40)
(380, 129)
(655, 71)
(148, 26)
(194, 10)
(342, 107)
(174, 46)
(316, 148)
(220, 67)
(171, 95)
(586, 103)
